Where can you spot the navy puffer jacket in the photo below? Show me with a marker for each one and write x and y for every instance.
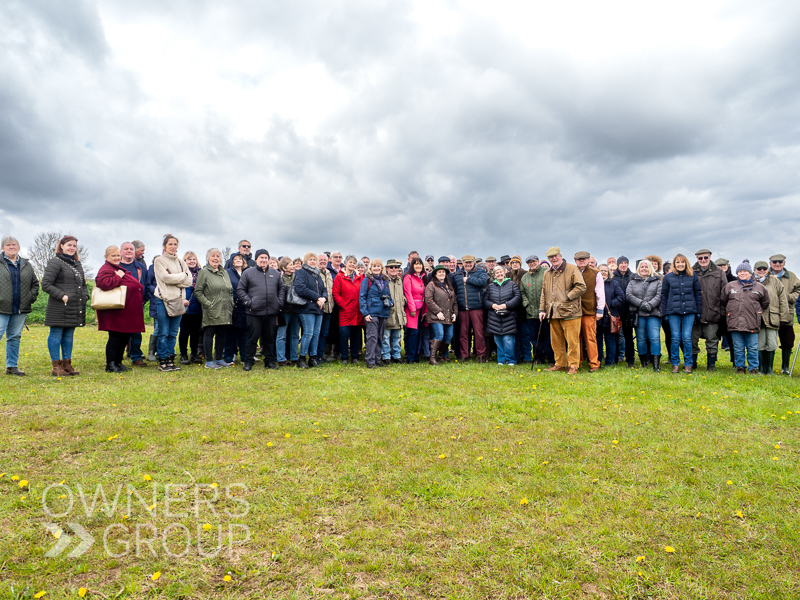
(309, 285)
(470, 294)
(615, 299)
(508, 293)
(681, 294)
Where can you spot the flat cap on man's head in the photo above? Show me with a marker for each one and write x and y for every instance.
(761, 264)
(429, 257)
(393, 263)
(444, 259)
(552, 251)
(703, 251)
(777, 257)
(532, 258)
(582, 254)
(491, 259)
(720, 262)
(468, 258)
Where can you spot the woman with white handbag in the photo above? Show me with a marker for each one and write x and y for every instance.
(172, 277)
(119, 291)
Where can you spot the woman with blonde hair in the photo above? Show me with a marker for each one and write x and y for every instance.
(65, 284)
(172, 277)
(375, 302)
(120, 323)
(681, 304)
(643, 294)
(310, 286)
(192, 320)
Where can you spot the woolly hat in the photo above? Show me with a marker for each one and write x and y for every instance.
(517, 258)
(745, 266)
(261, 251)
(623, 258)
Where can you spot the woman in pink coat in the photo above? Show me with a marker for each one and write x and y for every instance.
(414, 282)
(120, 323)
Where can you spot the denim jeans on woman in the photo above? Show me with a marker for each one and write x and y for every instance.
(167, 330)
(505, 349)
(60, 339)
(11, 326)
(649, 330)
(680, 327)
(292, 330)
(310, 340)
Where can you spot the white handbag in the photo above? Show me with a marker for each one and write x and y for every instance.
(109, 300)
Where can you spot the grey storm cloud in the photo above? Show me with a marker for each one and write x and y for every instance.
(477, 141)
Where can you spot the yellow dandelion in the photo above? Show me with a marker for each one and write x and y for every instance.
(288, 435)
(213, 485)
(269, 444)
(480, 458)
(524, 501)
(23, 483)
(615, 442)
(113, 437)
(639, 559)
(226, 578)
(39, 594)
(15, 478)
(669, 549)
(82, 592)
(547, 462)
(155, 575)
(206, 526)
(442, 456)
(146, 477)
(739, 514)
(729, 482)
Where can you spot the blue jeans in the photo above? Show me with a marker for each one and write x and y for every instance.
(649, 328)
(349, 336)
(390, 348)
(681, 331)
(412, 344)
(167, 330)
(323, 335)
(505, 349)
(311, 325)
(442, 332)
(744, 341)
(292, 329)
(11, 326)
(60, 338)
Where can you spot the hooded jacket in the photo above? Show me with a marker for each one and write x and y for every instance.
(778, 311)
(214, 291)
(641, 291)
(744, 306)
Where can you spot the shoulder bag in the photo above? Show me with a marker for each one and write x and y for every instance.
(109, 300)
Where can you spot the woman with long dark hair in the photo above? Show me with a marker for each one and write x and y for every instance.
(414, 282)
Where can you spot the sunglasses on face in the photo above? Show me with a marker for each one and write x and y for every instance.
(761, 268)
(703, 257)
(777, 262)
(244, 246)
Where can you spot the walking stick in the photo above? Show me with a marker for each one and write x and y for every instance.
(796, 348)
(533, 356)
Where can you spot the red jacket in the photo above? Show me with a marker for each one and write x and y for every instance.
(124, 320)
(345, 294)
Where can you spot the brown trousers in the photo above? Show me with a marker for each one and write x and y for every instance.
(565, 337)
(589, 335)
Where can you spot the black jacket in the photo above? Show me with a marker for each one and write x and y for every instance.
(615, 299)
(623, 281)
(508, 293)
(310, 287)
(64, 276)
(239, 319)
(261, 292)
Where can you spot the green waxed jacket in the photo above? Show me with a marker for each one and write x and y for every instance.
(214, 292)
(29, 287)
(531, 289)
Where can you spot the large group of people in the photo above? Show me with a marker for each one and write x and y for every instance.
(329, 307)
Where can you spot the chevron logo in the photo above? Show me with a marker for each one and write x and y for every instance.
(86, 538)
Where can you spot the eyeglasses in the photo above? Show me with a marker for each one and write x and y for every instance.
(336, 256)
(429, 259)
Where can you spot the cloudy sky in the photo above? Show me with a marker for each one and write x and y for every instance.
(378, 126)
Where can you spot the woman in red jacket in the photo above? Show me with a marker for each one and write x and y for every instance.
(122, 322)
(346, 288)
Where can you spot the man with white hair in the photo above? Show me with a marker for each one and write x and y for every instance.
(129, 263)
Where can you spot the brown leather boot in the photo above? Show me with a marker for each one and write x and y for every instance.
(58, 370)
(434, 350)
(442, 357)
(66, 364)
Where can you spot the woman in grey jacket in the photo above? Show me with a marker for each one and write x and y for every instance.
(644, 296)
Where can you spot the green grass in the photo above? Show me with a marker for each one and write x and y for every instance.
(462, 481)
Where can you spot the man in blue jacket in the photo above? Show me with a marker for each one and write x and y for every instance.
(139, 271)
(469, 286)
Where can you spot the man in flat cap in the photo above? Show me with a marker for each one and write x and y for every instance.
(560, 302)
(706, 325)
(593, 303)
(791, 284)
(539, 331)
(470, 285)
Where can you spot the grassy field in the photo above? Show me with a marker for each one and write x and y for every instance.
(462, 481)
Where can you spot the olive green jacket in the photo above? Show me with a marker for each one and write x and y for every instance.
(215, 293)
(778, 311)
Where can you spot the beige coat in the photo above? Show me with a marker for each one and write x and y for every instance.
(172, 276)
(778, 311)
(397, 317)
(328, 279)
(561, 293)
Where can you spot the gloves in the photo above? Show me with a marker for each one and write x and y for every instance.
(646, 307)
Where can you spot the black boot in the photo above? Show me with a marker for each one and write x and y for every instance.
(786, 357)
(184, 359)
(301, 363)
(694, 361)
(712, 364)
(769, 362)
(762, 361)
(121, 368)
(643, 360)
(111, 367)
(657, 363)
